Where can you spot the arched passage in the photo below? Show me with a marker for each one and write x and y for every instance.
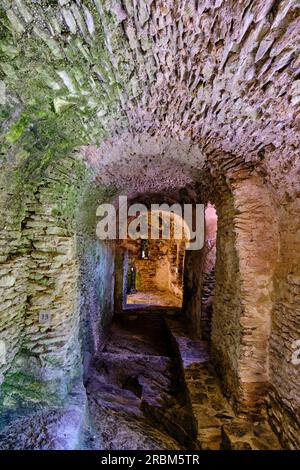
(153, 265)
(188, 102)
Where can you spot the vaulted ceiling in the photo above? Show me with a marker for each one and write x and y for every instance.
(155, 90)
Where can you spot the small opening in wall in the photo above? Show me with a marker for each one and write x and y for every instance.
(208, 283)
(154, 280)
(144, 249)
(153, 266)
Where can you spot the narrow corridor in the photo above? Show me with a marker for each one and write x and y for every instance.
(135, 393)
(151, 386)
(149, 224)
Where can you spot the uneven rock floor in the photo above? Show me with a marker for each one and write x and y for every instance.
(218, 427)
(151, 386)
(135, 393)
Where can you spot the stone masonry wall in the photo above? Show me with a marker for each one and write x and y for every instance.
(14, 271)
(96, 285)
(257, 244)
(226, 328)
(284, 400)
(52, 314)
(39, 289)
(208, 283)
(192, 282)
(247, 253)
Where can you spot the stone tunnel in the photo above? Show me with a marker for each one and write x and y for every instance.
(143, 344)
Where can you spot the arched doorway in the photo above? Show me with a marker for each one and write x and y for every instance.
(153, 267)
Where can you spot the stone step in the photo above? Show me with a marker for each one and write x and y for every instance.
(217, 424)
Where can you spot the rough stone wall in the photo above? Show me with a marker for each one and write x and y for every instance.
(96, 283)
(207, 297)
(14, 271)
(192, 282)
(42, 272)
(219, 76)
(176, 269)
(197, 265)
(96, 287)
(210, 237)
(247, 253)
(257, 244)
(53, 275)
(226, 328)
(284, 402)
(120, 280)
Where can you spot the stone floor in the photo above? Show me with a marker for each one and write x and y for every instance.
(163, 299)
(150, 387)
(135, 393)
(56, 428)
(218, 427)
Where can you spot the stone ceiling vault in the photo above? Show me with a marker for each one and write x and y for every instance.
(217, 76)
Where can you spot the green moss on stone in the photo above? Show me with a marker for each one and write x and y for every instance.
(27, 388)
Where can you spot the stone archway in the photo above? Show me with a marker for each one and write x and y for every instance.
(195, 101)
(159, 276)
(247, 252)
